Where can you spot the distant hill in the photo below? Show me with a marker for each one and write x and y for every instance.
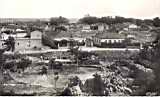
(12, 20)
(5, 20)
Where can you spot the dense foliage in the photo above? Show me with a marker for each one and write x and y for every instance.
(58, 20)
(151, 58)
(110, 20)
(10, 42)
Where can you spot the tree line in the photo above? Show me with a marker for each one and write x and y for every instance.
(107, 20)
(110, 20)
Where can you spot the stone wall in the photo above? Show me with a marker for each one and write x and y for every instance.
(26, 44)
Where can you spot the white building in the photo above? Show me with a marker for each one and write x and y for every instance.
(86, 28)
(102, 27)
(25, 43)
(35, 41)
(132, 27)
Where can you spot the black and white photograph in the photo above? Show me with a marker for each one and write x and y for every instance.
(79, 47)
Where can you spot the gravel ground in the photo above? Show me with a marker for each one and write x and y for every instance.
(45, 84)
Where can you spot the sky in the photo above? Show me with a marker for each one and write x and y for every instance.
(79, 8)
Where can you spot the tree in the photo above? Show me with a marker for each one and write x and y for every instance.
(2, 60)
(89, 20)
(70, 90)
(156, 22)
(61, 28)
(95, 86)
(58, 20)
(148, 21)
(139, 22)
(2, 57)
(98, 90)
(154, 59)
(43, 70)
(108, 20)
(24, 63)
(10, 43)
(119, 19)
(48, 41)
